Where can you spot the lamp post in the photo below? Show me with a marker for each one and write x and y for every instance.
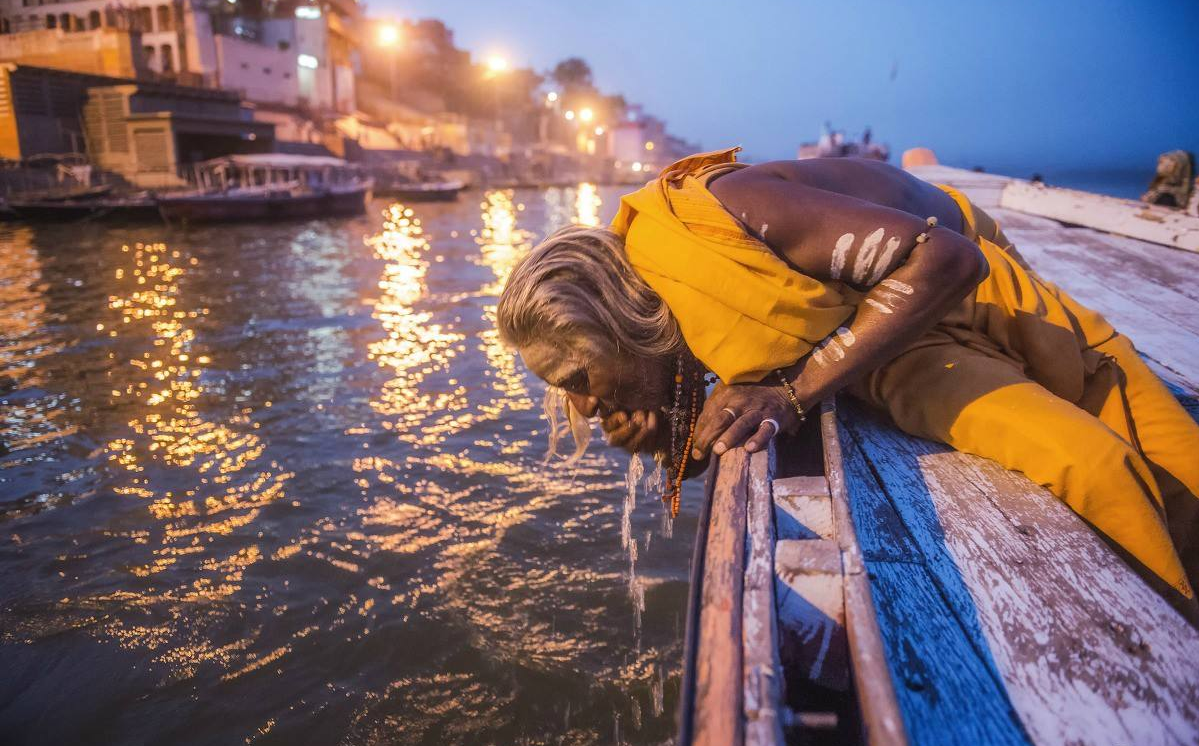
(389, 37)
(496, 67)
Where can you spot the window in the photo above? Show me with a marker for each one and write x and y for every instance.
(64, 21)
(4, 29)
(145, 19)
(168, 59)
(266, 71)
(148, 53)
(51, 21)
(165, 22)
(93, 19)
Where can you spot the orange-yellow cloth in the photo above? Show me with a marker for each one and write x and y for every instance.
(742, 310)
(1023, 374)
(1019, 372)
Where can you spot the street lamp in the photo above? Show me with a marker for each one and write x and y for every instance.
(586, 114)
(496, 67)
(388, 36)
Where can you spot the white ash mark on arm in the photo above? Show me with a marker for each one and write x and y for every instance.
(883, 265)
(840, 255)
(877, 306)
(897, 285)
(845, 336)
(866, 255)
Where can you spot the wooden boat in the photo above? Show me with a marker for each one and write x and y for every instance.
(859, 585)
(269, 186)
(133, 208)
(420, 191)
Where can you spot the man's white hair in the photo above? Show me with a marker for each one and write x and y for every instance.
(578, 281)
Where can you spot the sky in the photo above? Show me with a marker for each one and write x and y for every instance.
(1012, 86)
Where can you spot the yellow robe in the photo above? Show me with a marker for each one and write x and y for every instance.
(1019, 372)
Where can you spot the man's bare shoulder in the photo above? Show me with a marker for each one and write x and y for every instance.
(864, 179)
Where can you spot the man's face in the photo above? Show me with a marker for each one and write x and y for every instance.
(598, 380)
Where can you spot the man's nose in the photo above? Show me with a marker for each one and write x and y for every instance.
(584, 405)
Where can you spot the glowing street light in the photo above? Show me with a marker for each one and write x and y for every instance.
(599, 131)
(388, 35)
(570, 115)
(586, 114)
(496, 64)
(649, 145)
(552, 96)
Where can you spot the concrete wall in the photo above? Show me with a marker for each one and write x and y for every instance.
(104, 51)
(262, 73)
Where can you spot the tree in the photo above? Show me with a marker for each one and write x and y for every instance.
(572, 73)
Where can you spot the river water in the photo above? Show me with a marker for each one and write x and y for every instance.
(282, 484)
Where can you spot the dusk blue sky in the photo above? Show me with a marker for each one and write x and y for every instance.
(1014, 86)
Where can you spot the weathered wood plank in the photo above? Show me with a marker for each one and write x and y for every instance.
(948, 691)
(802, 509)
(1088, 653)
(718, 719)
(1069, 253)
(811, 611)
(1132, 262)
(1100, 212)
(881, 533)
(1163, 339)
(949, 696)
(762, 676)
(881, 717)
(983, 189)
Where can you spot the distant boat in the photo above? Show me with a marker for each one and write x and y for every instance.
(269, 186)
(833, 144)
(421, 191)
(135, 207)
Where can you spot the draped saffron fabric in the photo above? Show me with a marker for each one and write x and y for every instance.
(742, 310)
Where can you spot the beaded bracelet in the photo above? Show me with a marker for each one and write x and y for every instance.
(791, 394)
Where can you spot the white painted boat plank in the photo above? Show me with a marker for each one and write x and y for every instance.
(1070, 254)
(1123, 259)
(1108, 214)
(1087, 652)
(1159, 337)
(761, 676)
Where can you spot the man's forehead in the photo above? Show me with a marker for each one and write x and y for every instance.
(552, 359)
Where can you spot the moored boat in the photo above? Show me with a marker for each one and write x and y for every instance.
(136, 207)
(269, 186)
(421, 191)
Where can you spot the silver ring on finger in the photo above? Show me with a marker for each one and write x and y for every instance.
(773, 422)
(730, 411)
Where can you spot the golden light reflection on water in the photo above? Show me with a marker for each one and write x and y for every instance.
(413, 347)
(501, 245)
(24, 342)
(199, 477)
(587, 204)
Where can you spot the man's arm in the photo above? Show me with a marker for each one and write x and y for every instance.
(828, 236)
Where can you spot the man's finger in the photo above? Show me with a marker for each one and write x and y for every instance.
(712, 422)
(614, 420)
(767, 430)
(736, 433)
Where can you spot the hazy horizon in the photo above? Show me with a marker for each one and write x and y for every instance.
(1059, 85)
